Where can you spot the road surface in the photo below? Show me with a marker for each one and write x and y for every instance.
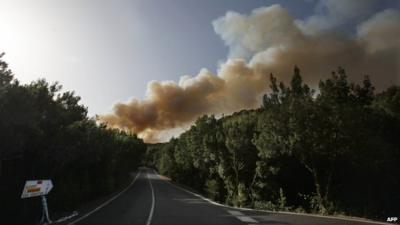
(153, 200)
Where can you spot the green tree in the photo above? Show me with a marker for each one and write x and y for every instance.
(241, 157)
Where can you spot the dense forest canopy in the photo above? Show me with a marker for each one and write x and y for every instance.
(331, 150)
(46, 134)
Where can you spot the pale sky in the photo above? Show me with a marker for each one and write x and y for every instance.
(107, 51)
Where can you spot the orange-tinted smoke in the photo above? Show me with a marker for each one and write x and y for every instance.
(270, 41)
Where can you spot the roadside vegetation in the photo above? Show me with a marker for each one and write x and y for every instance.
(46, 134)
(334, 150)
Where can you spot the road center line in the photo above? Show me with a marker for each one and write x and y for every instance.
(152, 202)
(106, 202)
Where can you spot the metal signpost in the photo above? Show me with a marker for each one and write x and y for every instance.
(34, 188)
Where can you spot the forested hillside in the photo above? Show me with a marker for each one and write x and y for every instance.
(334, 150)
(46, 134)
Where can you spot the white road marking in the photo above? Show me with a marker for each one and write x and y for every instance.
(105, 203)
(281, 212)
(197, 195)
(247, 219)
(153, 200)
(235, 213)
(239, 215)
(242, 217)
(62, 219)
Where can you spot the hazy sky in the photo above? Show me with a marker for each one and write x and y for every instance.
(107, 51)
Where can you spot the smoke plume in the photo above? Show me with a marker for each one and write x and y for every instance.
(269, 40)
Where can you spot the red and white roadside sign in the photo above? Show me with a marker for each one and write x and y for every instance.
(35, 188)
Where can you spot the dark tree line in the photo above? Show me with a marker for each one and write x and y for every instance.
(334, 150)
(46, 134)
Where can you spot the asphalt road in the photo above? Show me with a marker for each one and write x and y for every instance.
(153, 200)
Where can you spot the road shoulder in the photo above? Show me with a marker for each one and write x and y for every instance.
(90, 207)
(342, 218)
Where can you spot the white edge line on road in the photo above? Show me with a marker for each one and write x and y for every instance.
(152, 201)
(277, 212)
(106, 202)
